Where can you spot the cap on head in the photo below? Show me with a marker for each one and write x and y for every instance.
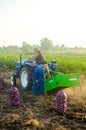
(35, 47)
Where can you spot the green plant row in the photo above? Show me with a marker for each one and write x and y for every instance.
(67, 64)
(70, 64)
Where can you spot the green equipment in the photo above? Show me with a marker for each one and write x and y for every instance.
(61, 80)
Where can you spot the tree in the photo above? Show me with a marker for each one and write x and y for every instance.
(63, 46)
(46, 44)
(4, 48)
(26, 47)
(56, 47)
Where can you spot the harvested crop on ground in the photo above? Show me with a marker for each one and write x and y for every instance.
(38, 112)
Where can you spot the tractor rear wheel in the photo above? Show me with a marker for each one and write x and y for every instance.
(26, 78)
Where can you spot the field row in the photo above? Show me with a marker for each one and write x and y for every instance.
(67, 64)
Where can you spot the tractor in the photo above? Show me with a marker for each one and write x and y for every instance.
(25, 73)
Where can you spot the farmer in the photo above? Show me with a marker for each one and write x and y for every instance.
(41, 67)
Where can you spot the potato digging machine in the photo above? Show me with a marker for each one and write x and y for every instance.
(25, 73)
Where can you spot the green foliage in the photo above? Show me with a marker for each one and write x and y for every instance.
(67, 63)
(46, 44)
(26, 47)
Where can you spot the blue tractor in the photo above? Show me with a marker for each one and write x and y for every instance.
(25, 73)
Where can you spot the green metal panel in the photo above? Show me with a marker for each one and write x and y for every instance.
(61, 80)
(69, 80)
(50, 83)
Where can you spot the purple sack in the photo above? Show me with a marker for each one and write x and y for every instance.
(2, 84)
(14, 96)
(61, 102)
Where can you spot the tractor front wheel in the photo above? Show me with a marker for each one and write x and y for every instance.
(13, 80)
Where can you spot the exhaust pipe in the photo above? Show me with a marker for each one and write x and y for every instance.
(20, 59)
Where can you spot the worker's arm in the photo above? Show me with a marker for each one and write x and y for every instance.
(47, 70)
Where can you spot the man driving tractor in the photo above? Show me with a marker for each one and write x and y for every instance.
(39, 71)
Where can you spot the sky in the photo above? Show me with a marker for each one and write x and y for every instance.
(62, 21)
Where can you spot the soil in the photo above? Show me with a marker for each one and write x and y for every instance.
(38, 112)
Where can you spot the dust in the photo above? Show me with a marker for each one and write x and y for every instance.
(78, 93)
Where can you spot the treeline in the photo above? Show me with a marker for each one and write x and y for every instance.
(47, 46)
(44, 45)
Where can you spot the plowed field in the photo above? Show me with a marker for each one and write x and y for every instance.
(39, 113)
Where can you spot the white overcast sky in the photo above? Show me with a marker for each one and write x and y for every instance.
(62, 21)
